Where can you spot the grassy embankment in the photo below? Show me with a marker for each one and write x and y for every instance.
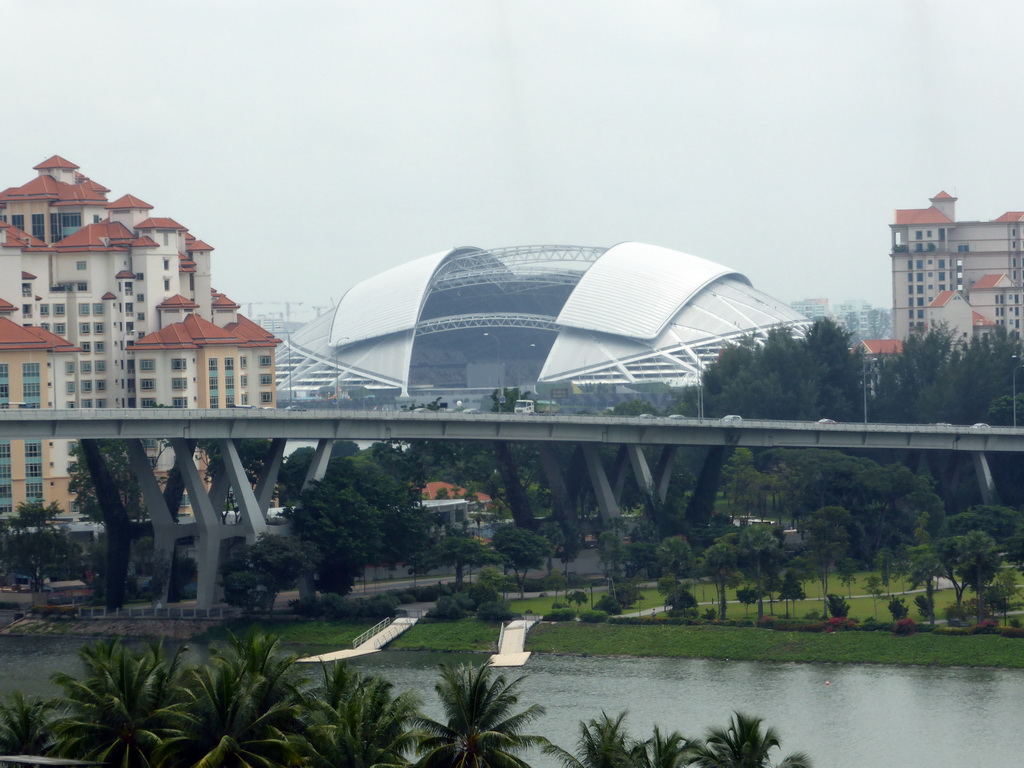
(749, 644)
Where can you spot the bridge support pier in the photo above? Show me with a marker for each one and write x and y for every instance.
(984, 475)
(606, 501)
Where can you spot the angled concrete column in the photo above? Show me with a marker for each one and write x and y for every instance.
(602, 489)
(251, 517)
(619, 470)
(984, 475)
(555, 477)
(267, 480)
(318, 466)
(663, 472)
(166, 530)
(641, 471)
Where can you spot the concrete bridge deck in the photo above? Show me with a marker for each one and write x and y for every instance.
(373, 644)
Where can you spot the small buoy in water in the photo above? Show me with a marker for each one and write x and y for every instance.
(827, 683)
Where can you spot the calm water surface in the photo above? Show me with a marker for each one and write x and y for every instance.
(867, 716)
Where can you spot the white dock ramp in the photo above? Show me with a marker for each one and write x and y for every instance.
(511, 643)
(371, 641)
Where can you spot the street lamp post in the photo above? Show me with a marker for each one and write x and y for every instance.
(864, 382)
(501, 369)
(1016, 367)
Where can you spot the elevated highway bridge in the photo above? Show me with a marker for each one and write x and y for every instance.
(214, 535)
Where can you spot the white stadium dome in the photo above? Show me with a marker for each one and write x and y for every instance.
(471, 318)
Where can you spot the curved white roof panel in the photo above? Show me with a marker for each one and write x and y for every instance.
(386, 303)
(635, 289)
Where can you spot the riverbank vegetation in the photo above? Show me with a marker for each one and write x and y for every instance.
(252, 705)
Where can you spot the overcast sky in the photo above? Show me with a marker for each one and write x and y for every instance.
(314, 144)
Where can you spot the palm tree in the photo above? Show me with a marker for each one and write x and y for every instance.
(25, 725)
(979, 560)
(481, 728)
(357, 722)
(239, 711)
(759, 545)
(603, 742)
(120, 713)
(662, 751)
(743, 744)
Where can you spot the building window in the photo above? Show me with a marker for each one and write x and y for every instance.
(39, 225)
(84, 309)
(179, 383)
(100, 348)
(214, 401)
(97, 309)
(178, 364)
(98, 328)
(101, 386)
(148, 402)
(44, 310)
(84, 328)
(266, 397)
(60, 329)
(69, 367)
(147, 365)
(85, 404)
(33, 449)
(26, 310)
(34, 491)
(26, 289)
(243, 361)
(167, 264)
(229, 363)
(147, 384)
(58, 310)
(264, 361)
(180, 402)
(100, 403)
(87, 386)
(920, 289)
(167, 285)
(963, 248)
(80, 266)
(140, 316)
(243, 380)
(18, 220)
(127, 289)
(266, 379)
(70, 387)
(917, 235)
(33, 470)
(81, 286)
(85, 366)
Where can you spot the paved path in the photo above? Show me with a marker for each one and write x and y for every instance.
(372, 645)
(513, 641)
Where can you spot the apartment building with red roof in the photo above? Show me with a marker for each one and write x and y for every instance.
(967, 274)
(104, 304)
(116, 280)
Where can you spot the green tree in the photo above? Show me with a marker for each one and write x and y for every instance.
(459, 552)
(25, 727)
(925, 568)
(846, 570)
(521, 550)
(264, 569)
(358, 721)
(481, 727)
(719, 562)
(760, 549)
(744, 743)
(122, 710)
(791, 590)
(34, 546)
(827, 538)
(577, 597)
(603, 742)
(358, 515)
(873, 584)
(1003, 592)
(979, 560)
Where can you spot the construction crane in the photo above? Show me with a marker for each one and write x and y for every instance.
(287, 307)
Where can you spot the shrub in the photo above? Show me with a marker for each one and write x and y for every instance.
(335, 607)
(905, 627)
(767, 622)
(558, 606)
(560, 614)
(447, 608)
(609, 605)
(593, 617)
(710, 614)
(494, 610)
(54, 611)
(1011, 632)
(840, 624)
(1015, 622)
(986, 627)
(683, 600)
(898, 608)
(837, 607)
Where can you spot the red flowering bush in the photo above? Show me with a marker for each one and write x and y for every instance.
(905, 627)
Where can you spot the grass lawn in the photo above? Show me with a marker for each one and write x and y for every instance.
(462, 635)
(737, 643)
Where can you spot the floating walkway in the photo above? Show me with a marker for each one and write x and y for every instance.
(371, 641)
(511, 643)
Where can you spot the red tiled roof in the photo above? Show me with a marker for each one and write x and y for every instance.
(126, 202)
(430, 490)
(91, 238)
(159, 223)
(190, 333)
(223, 302)
(108, 295)
(199, 245)
(177, 301)
(124, 274)
(942, 299)
(921, 216)
(1010, 216)
(979, 319)
(27, 275)
(943, 196)
(14, 336)
(882, 346)
(144, 242)
(17, 238)
(251, 334)
(54, 162)
(56, 192)
(6, 306)
(988, 281)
